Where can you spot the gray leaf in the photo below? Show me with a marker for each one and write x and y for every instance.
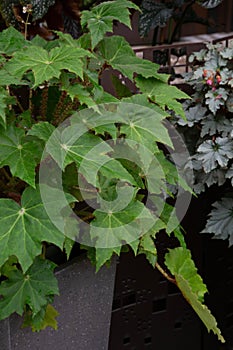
(220, 222)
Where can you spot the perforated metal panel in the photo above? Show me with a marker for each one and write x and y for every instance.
(150, 313)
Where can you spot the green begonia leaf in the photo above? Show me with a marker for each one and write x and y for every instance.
(119, 55)
(24, 227)
(144, 125)
(162, 94)
(6, 78)
(47, 65)
(201, 310)
(11, 40)
(31, 288)
(103, 255)
(19, 154)
(100, 19)
(181, 265)
(147, 247)
(179, 262)
(111, 227)
(42, 130)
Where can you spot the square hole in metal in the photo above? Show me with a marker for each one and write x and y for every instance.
(148, 340)
(116, 304)
(178, 325)
(129, 299)
(229, 321)
(159, 305)
(126, 340)
(172, 289)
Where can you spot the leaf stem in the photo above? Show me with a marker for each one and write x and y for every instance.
(164, 273)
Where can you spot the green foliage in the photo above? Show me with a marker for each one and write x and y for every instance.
(101, 177)
(27, 224)
(32, 289)
(100, 20)
(19, 153)
(209, 116)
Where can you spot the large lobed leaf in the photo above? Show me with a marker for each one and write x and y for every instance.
(32, 288)
(20, 154)
(100, 19)
(24, 227)
(117, 53)
(46, 65)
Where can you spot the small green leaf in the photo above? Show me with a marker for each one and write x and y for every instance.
(11, 40)
(46, 317)
(179, 262)
(81, 93)
(181, 265)
(31, 288)
(42, 130)
(6, 78)
(202, 310)
(147, 247)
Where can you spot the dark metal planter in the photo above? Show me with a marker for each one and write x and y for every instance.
(84, 305)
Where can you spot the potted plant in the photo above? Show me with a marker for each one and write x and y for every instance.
(81, 165)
